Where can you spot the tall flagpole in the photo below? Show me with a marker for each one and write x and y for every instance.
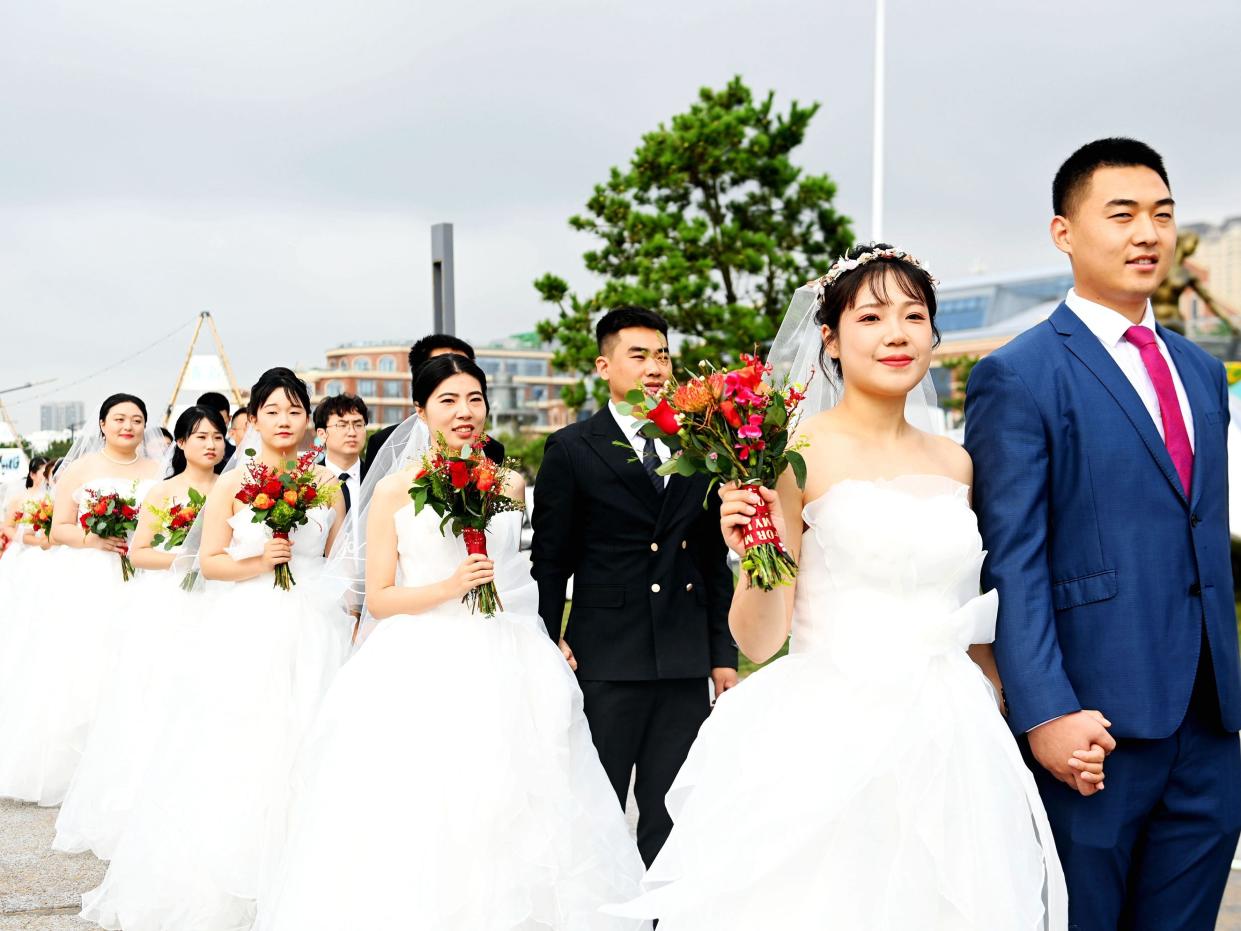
(876, 174)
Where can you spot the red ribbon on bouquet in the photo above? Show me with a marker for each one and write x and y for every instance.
(475, 541)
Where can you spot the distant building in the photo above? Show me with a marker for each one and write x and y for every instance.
(523, 390)
(1219, 253)
(62, 415)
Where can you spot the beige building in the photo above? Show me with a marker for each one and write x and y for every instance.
(1219, 254)
(523, 390)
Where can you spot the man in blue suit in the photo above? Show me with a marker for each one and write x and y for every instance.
(1101, 486)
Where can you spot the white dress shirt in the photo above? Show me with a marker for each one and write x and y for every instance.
(630, 427)
(353, 482)
(1110, 326)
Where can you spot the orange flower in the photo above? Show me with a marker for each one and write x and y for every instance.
(290, 498)
(692, 398)
(262, 502)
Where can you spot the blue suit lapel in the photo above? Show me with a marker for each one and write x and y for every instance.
(1201, 397)
(1080, 341)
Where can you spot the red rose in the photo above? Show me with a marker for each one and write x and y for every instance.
(100, 508)
(664, 417)
(272, 488)
(82, 521)
(127, 512)
(731, 414)
(421, 475)
(309, 493)
(484, 478)
(246, 495)
(459, 474)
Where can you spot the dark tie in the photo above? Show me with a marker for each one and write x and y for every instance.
(344, 490)
(650, 462)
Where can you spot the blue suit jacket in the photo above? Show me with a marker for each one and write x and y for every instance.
(1106, 573)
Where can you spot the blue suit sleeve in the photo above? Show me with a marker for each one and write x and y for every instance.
(1005, 436)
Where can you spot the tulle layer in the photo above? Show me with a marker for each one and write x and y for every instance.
(451, 784)
(60, 642)
(136, 702)
(216, 782)
(814, 799)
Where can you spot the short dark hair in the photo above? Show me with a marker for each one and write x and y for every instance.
(440, 369)
(421, 350)
(237, 413)
(278, 379)
(121, 398)
(1115, 152)
(620, 318)
(165, 434)
(213, 400)
(913, 281)
(339, 405)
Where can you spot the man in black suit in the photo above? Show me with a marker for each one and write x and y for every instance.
(437, 344)
(651, 582)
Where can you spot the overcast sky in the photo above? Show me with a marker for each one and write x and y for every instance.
(280, 163)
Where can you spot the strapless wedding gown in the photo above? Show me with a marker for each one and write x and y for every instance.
(867, 780)
(68, 616)
(450, 782)
(254, 667)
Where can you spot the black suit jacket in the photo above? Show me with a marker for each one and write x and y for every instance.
(494, 448)
(229, 449)
(651, 582)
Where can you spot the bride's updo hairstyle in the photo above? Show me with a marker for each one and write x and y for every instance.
(186, 425)
(116, 400)
(439, 368)
(278, 379)
(879, 265)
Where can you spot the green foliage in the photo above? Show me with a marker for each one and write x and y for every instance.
(711, 224)
(961, 367)
(527, 449)
(56, 449)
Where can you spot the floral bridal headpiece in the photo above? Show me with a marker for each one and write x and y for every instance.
(874, 252)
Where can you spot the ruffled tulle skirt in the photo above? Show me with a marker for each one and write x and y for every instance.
(216, 784)
(61, 641)
(813, 799)
(451, 784)
(136, 701)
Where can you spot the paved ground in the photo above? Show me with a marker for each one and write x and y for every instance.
(40, 889)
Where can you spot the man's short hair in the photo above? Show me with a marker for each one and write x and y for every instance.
(421, 351)
(620, 318)
(1074, 175)
(213, 400)
(338, 405)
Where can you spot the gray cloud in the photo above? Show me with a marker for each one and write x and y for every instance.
(280, 163)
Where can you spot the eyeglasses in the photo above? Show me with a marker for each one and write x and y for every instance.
(348, 426)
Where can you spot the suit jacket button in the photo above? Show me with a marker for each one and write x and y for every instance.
(655, 588)
(689, 586)
(1194, 520)
(1195, 590)
(654, 547)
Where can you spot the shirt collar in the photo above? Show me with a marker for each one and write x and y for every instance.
(338, 470)
(629, 425)
(1107, 324)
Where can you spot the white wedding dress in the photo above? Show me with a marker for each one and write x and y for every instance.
(866, 781)
(68, 615)
(254, 665)
(450, 782)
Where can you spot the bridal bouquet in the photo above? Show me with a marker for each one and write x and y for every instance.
(466, 489)
(37, 515)
(731, 425)
(175, 521)
(280, 499)
(111, 516)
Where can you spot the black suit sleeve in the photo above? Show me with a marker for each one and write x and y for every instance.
(373, 445)
(493, 449)
(552, 549)
(712, 555)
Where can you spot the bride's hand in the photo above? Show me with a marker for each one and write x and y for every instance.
(475, 570)
(107, 544)
(276, 552)
(737, 507)
(568, 655)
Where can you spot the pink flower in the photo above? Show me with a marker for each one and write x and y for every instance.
(752, 430)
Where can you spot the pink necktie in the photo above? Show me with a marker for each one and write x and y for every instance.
(1175, 436)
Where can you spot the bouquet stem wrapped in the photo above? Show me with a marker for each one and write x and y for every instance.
(466, 489)
(112, 517)
(733, 426)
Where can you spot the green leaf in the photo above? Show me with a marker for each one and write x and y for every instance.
(636, 397)
(685, 466)
(776, 414)
(798, 465)
(713, 465)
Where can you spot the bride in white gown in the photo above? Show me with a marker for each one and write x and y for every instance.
(254, 664)
(868, 779)
(450, 782)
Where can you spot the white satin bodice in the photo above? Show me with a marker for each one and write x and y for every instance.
(891, 567)
(308, 541)
(137, 489)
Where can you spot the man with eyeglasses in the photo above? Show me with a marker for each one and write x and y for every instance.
(340, 425)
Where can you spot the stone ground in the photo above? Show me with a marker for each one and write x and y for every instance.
(40, 889)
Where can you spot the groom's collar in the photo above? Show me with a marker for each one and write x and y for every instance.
(1108, 325)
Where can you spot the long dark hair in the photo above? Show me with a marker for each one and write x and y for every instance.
(37, 463)
(186, 424)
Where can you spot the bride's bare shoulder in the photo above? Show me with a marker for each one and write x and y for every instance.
(394, 487)
(951, 457)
